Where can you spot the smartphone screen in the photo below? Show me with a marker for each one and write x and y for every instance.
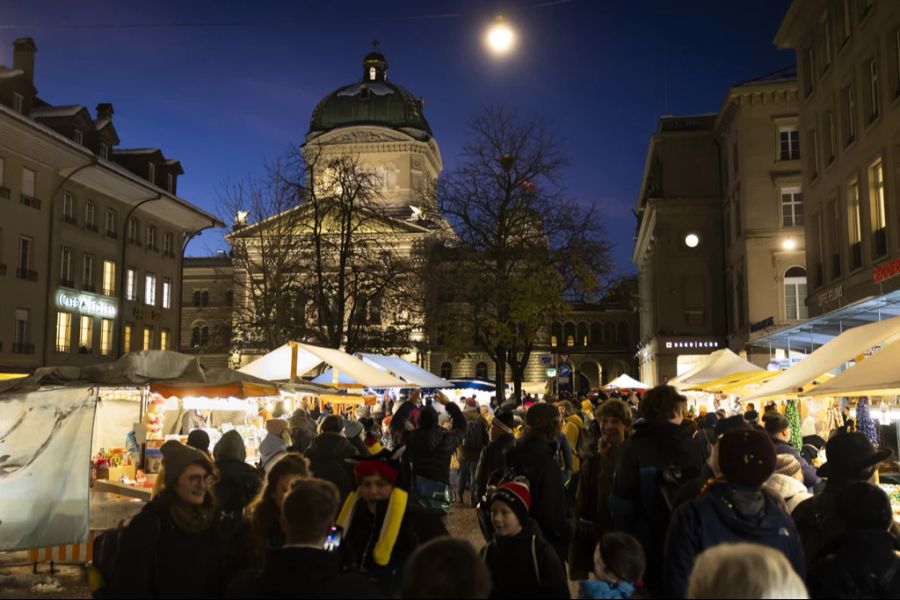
(333, 541)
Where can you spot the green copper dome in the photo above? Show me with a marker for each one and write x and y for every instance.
(372, 101)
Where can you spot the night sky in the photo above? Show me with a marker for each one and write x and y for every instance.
(225, 86)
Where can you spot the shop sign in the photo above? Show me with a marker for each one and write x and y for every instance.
(86, 304)
(888, 271)
(691, 345)
(546, 359)
(830, 296)
(551, 372)
(140, 313)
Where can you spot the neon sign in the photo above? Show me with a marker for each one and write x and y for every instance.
(87, 304)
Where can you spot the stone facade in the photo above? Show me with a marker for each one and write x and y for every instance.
(206, 309)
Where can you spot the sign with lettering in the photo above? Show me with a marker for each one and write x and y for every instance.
(888, 271)
(691, 344)
(830, 296)
(86, 304)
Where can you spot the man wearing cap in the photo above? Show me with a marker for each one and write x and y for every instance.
(779, 429)
(733, 509)
(851, 458)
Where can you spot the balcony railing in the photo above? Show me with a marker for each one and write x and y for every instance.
(23, 348)
(89, 287)
(23, 273)
(109, 292)
(30, 201)
(881, 241)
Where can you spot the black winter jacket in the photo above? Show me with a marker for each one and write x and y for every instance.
(864, 564)
(429, 450)
(238, 484)
(637, 505)
(809, 472)
(299, 571)
(328, 456)
(550, 508)
(156, 559)
(525, 566)
(726, 513)
(492, 459)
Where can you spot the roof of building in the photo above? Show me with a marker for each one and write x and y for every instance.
(785, 74)
(63, 110)
(370, 102)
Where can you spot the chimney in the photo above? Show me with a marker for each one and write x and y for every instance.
(23, 56)
(104, 111)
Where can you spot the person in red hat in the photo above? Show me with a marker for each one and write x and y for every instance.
(521, 562)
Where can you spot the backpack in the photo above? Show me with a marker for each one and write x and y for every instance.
(584, 443)
(474, 437)
(105, 550)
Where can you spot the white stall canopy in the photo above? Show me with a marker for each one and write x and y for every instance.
(720, 363)
(626, 382)
(405, 370)
(842, 349)
(295, 359)
(877, 375)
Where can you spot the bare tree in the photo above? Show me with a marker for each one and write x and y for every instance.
(318, 258)
(523, 251)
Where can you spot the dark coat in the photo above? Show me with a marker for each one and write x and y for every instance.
(359, 543)
(819, 524)
(726, 513)
(429, 450)
(592, 508)
(475, 421)
(525, 566)
(299, 571)
(536, 460)
(156, 559)
(863, 565)
(693, 487)
(245, 556)
(492, 459)
(637, 504)
(809, 472)
(238, 484)
(328, 456)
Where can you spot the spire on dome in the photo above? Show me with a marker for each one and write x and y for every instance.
(375, 65)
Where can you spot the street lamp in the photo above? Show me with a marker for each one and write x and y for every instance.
(500, 37)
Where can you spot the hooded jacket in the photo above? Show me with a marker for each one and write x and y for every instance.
(536, 459)
(328, 456)
(430, 447)
(238, 482)
(525, 566)
(809, 472)
(860, 567)
(571, 429)
(726, 513)
(492, 459)
(787, 489)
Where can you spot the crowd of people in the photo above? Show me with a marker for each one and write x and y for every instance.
(597, 497)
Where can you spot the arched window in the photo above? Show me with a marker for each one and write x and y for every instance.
(205, 300)
(609, 333)
(390, 177)
(569, 334)
(204, 335)
(195, 337)
(623, 334)
(583, 333)
(555, 334)
(481, 370)
(197, 297)
(596, 334)
(446, 370)
(795, 294)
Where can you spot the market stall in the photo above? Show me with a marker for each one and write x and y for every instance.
(721, 363)
(626, 382)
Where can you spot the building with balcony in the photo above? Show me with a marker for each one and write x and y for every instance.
(90, 245)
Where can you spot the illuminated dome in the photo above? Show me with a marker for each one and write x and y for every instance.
(372, 101)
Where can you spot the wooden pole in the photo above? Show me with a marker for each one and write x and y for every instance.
(294, 350)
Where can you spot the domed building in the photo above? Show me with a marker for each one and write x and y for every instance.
(382, 125)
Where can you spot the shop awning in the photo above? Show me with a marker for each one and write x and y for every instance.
(239, 389)
(276, 365)
(734, 382)
(876, 375)
(720, 363)
(626, 382)
(842, 349)
(405, 370)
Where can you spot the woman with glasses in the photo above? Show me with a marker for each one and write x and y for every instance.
(173, 547)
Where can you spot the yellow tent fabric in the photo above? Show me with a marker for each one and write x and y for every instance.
(832, 355)
(733, 382)
(720, 363)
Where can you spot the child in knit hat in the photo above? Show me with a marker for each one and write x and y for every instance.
(521, 562)
(619, 564)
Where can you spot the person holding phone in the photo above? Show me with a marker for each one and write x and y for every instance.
(309, 559)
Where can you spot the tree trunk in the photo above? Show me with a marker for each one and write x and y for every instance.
(500, 374)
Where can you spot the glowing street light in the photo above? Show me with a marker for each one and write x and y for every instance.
(789, 244)
(500, 38)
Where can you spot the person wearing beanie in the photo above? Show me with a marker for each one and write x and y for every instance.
(174, 546)
(613, 419)
(275, 443)
(521, 562)
(851, 458)
(535, 457)
(661, 451)
(733, 509)
(379, 530)
(302, 429)
(779, 429)
(199, 439)
(492, 459)
(786, 483)
(862, 562)
(353, 431)
(238, 482)
(329, 455)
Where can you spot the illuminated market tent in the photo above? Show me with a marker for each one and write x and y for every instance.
(721, 363)
(848, 346)
(626, 382)
(413, 375)
(876, 375)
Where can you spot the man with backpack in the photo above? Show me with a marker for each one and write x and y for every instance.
(658, 458)
(474, 441)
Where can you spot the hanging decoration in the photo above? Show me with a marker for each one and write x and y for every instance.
(864, 422)
(793, 417)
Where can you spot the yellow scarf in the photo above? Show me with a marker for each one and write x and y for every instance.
(390, 529)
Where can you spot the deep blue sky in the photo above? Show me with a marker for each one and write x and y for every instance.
(224, 86)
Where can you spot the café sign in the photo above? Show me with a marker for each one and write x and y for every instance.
(86, 304)
(891, 269)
